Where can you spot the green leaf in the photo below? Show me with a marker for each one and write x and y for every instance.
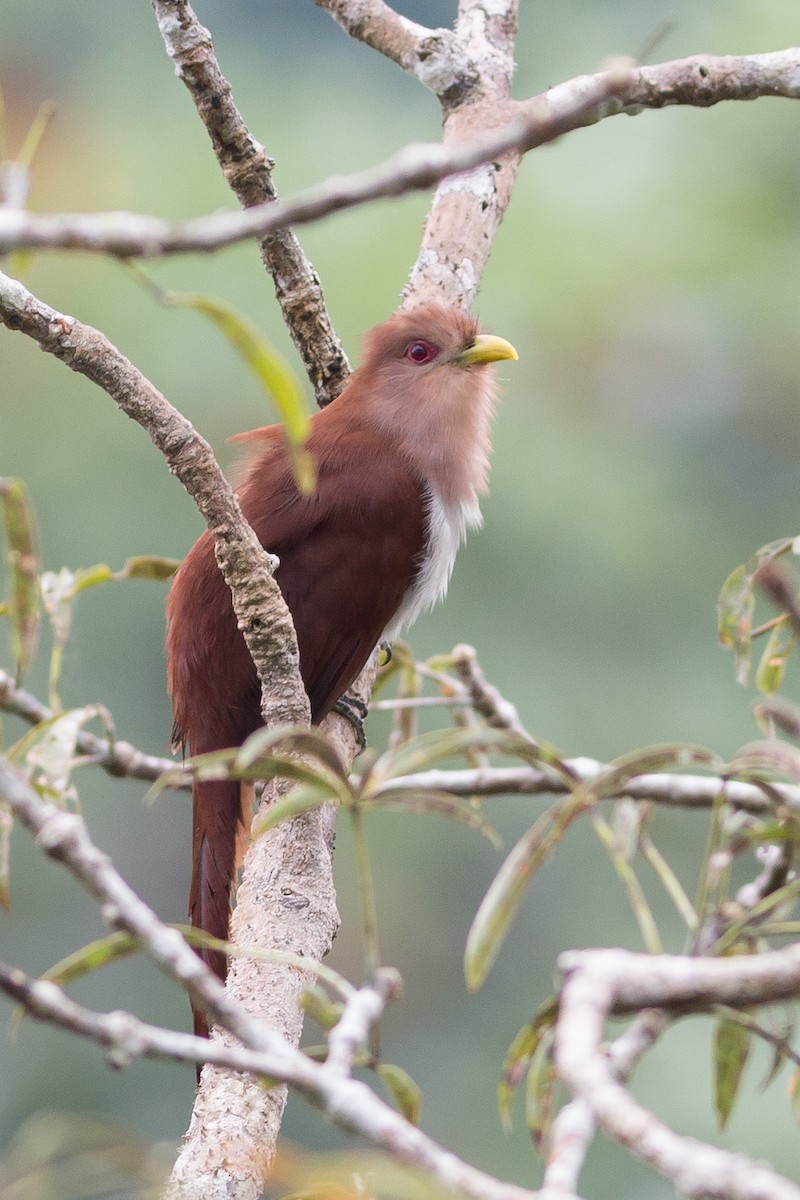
(501, 902)
(317, 1004)
(92, 957)
(636, 897)
(6, 824)
(424, 751)
(269, 367)
(304, 797)
(50, 747)
(540, 1091)
(736, 605)
(431, 801)
(504, 895)
(142, 566)
(299, 740)
(772, 666)
(405, 1093)
(23, 565)
(520, 1055)
(731, 1048)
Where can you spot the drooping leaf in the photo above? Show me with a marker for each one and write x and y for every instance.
(22, 557)
(141, 566)
(296, 738)
(429, 800)
(766, 759)
(317, 1004)
(736, 605)
(92, 957)
(772, 665)
(423, 751)
(273, 373)
(636, 897)
(520, 1055)
(731, 1048)
(304, 797)
(501, 902)
(6, 823)
(406, 1094)
(540, 1092)
(778, 712)
(784, 1023)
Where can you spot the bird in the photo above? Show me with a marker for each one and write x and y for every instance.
(401, 459)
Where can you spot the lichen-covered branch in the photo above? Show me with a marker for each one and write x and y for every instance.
(248, 172)
(262, 614)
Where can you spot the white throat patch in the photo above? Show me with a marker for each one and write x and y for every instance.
(447, 526)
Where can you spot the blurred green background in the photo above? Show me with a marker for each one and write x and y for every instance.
(648, 442)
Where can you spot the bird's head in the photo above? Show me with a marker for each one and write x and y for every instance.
(422, 341)
(426, 380)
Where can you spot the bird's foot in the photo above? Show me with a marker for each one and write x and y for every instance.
(355, 711)
(386, 655)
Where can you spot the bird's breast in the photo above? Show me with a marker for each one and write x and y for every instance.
(446, 526)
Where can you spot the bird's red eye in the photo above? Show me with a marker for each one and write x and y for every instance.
(421, 352)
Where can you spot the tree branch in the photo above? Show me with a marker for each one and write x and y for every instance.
(248, 172)
(117, 758)
(674, 791)
(416, 167)
(348, 1103)
(600, 983)
(699, 81)
(262, 614)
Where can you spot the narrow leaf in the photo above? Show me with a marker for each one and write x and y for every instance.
(636, 897)
(731, 1048)
(502, 900)
(540, 1092)
(92, 957)
(772, 666)
(23, 565)
(519, 1056)
(269, 367)
(405, 1093)
(424, 751)
(6, 824)
(301, 799)
(438, 803)
(299, 739)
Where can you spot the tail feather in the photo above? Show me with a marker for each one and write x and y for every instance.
(217, 842)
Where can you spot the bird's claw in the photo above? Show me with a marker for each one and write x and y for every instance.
(354, 711)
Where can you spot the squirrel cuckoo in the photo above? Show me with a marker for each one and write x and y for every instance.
(401, 458)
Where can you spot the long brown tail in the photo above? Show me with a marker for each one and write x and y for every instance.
(218, 830)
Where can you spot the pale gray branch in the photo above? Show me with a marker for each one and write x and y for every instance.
(700, 81)
(117, 758)
(600, 983)
(415, 167)
(674, 791)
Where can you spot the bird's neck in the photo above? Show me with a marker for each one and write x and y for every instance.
(442, 434)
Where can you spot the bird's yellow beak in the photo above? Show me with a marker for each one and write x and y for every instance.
(486, 348)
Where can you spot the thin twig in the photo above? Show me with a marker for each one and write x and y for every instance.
(118, 758)
(248, 172)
